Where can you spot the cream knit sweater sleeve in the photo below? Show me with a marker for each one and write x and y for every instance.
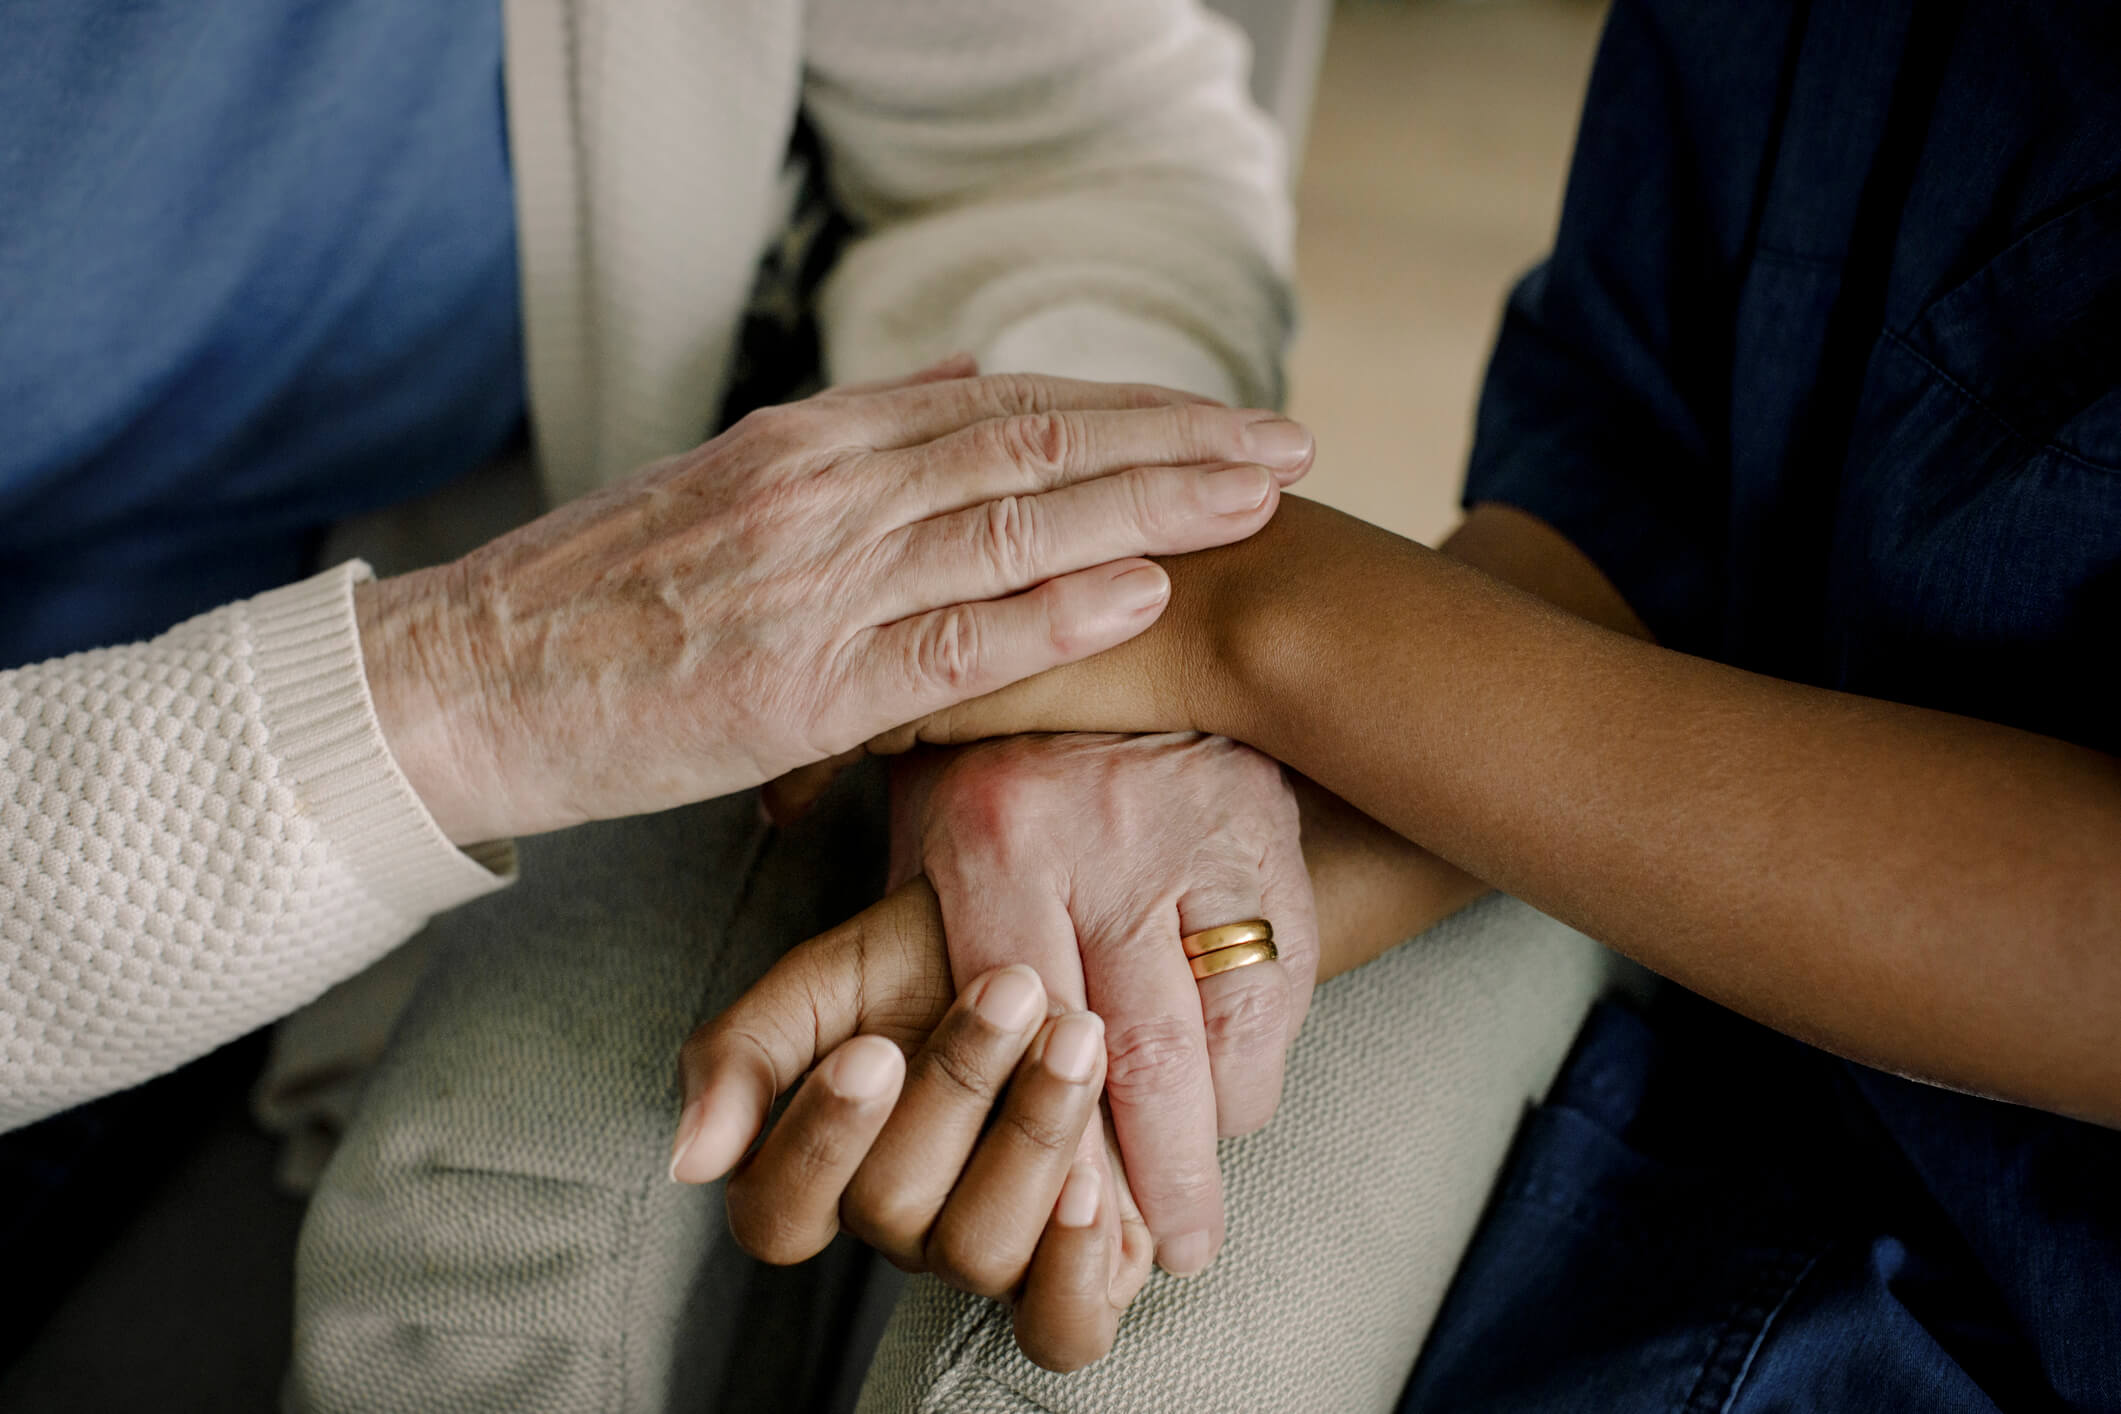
(1081, 188)
(199, 834)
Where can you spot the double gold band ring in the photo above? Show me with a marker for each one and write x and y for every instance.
(1252, 930)
(1231, 946)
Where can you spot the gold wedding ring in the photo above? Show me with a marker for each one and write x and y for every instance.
(1237, 955)
(1233, 945)
(1252, 930)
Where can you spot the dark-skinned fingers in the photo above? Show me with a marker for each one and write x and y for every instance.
(885, 971)
(952, 1084)
(1065, 1318)
(989, 1229)
(784, 1200)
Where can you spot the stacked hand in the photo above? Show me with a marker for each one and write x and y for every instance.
(1085, 858)
(815, 575)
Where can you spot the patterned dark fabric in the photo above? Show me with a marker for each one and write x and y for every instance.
(1825, 373)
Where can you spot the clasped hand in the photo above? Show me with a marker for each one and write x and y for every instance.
(1052, 878)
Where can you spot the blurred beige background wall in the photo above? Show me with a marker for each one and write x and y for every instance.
(1432, 178)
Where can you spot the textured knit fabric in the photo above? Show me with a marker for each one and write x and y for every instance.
(1003, 158)
(331, 180)
(1077, 188)
(198, 834)
(497, 1231)
(1347, 1214)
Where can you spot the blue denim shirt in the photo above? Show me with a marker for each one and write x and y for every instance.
(1824, 372)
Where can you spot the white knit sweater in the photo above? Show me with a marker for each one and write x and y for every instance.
(200, 833)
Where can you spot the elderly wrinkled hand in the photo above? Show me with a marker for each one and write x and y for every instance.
(1089, 858)
(890, 1136)
(817, 574)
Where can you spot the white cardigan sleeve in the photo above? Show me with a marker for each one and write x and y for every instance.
(198, 834)
(1082, 188)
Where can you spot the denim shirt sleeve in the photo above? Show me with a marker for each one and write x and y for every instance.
(1604, 410)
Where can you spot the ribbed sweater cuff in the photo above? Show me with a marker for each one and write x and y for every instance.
(322, 729)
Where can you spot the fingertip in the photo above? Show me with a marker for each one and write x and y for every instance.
(1138, 586)
(1079, 1197)
(1286, 447)
(1008, 998)
(1187, 1254)
(1095, 609)
(865, 1069)
(714, 1131)
(689, 1121)
(1065, 1318)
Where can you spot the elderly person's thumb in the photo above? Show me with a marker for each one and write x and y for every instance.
(883, 972)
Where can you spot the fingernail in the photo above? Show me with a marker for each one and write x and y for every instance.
(863, 1069)
(1072, 1046)
(1012, 999)
(1186, 1254)
(1143, 587)
(1279, 443)
(1236, 488)
(1078, 1199)
(688, 1130)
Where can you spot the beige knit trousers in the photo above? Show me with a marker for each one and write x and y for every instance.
(496, 1232)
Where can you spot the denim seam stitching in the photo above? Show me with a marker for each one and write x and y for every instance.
(1745, 1367)
(1753, 1311)
(1981, 405)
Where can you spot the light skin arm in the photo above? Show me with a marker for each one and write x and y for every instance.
(1928, 893)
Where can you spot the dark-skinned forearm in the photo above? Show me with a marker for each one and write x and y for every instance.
(1929, 893)
(1376, 888)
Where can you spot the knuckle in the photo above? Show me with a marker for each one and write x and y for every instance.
(1019, 390)
(819, 1149)
(783, 424)
(1249, 1021)
(1044, 1133)
(1040, 442)
(993, 796)
(773, 1236)
(1147, 1057)
(955, 1065)
(947, 651)
(1204, 429)
(890, 1221)
(970, 1260)
(1145, 501)
(1008, 529)
(1180, 1186)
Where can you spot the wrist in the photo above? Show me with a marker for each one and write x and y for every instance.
(1235, 623)
(411, 630)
